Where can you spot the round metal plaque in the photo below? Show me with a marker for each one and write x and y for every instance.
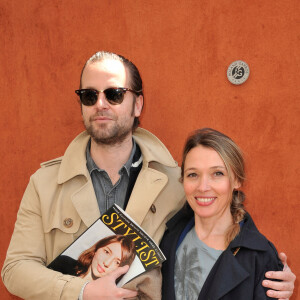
(238, 72)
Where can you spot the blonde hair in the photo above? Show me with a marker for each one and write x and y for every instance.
(234, 162)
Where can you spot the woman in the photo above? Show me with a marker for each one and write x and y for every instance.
(99, 260)
(213, 249)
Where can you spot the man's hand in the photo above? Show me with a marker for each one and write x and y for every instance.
(283, 289)
(105, 288)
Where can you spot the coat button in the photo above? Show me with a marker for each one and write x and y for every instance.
(153, 208)
(68, 222)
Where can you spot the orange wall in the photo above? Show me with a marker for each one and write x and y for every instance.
(183, 49)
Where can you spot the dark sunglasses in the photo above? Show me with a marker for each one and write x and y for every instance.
(114, 96)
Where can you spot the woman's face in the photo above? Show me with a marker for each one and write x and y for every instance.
(206, 183)
(106, 259)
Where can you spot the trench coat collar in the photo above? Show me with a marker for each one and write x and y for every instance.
(153, 149)
(74, 160)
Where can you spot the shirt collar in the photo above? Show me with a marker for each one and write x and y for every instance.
(91, 165)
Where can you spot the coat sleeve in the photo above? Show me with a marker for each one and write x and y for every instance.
(269, 262)
(24, 272)
(148, 285)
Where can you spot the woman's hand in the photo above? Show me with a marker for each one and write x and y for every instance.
(282, 290)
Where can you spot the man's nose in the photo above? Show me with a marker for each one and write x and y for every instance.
(102, 102)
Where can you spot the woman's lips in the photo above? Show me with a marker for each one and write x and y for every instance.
(205, 201)
(100, 269)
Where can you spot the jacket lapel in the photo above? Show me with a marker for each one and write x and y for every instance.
(226, 274)
(73, 167)
(150, 181)
(149, 184)
(85, 203)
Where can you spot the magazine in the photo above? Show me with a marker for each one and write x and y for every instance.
(114, 240)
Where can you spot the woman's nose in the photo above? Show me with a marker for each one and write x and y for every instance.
(203, 184)
(108, 261)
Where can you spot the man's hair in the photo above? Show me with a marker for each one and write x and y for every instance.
(127, 250)
(135, 80)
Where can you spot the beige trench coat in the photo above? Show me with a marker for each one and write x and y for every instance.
(59, 204)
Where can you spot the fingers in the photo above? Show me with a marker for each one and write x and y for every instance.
(121, 293)
(93, 291)
(279, 286)
(285, 275)
(282, 290)
(105, 287)
(279, 295)
(129, 294)
(118, 272)
(283, 258)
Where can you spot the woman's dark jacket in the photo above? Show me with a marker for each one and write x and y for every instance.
(232, 277)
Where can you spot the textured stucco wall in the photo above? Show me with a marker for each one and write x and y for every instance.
(183, 49)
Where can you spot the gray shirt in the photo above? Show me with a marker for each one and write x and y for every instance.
(194, 260)
(108, 194)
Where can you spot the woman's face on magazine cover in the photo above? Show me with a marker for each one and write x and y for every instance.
(106, 259)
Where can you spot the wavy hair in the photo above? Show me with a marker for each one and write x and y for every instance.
(234, 162)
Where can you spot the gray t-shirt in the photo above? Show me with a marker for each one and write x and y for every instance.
(194, 260)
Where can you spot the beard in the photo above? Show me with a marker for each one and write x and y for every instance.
(110, 134)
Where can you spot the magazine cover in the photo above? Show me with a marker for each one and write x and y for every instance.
(113, 241)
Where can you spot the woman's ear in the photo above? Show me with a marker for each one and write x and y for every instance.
(236, 184)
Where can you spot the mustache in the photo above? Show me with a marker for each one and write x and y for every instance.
(102, 114)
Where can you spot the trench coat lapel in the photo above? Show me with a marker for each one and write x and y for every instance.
(226, 274)
(85, 203)
(149, 184)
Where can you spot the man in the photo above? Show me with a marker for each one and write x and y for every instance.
(112, 162)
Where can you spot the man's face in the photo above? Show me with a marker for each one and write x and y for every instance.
(106, 123)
